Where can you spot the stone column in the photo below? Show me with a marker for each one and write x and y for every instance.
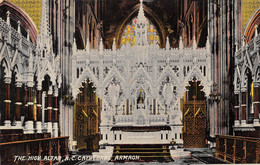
(243, 105)
(18, 105)
(39, 109)
(236, 108)
(256, 103)
(154, 106)
(7, 102)
(127, 106)
(29, 122)
(49, 111)
(55, 113)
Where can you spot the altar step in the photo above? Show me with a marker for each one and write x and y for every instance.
(141, 153)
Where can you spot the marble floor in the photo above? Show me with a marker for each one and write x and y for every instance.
(197, 156)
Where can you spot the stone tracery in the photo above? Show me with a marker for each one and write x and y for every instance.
(141, 84)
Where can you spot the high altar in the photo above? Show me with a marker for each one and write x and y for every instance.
(140, 86)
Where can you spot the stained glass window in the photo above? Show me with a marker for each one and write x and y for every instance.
(129, 33)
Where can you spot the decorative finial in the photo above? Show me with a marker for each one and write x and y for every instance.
(28, 34)
(243, 41)
(87, 47)
(194, 43)
(167, 44)
(180, 43)
(208, 44)
(8, 17)
(114, 44)
(236, 44)
(101, 46)
(74, 48)
(256, 32)
(141, 16)
(19, 27)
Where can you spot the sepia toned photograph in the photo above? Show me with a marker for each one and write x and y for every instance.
(129, 82)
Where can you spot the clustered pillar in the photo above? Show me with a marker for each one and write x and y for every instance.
(256, 103)
(29, 123)
(39, 109)
(236, 108)
(18, 105)
(55, 113)
(7, 102)
(243, 106)
(49, 111)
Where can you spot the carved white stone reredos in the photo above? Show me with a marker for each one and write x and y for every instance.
(247, 62)
(144, 79)
(141, 85)
(163, 78)
(180, 69)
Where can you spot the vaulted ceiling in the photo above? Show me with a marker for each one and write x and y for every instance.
(172, 18)
(118, 10)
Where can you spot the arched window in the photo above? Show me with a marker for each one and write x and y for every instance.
(129, 33)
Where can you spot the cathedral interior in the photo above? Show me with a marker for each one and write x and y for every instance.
(106, 76)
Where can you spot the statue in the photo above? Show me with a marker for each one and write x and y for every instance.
(140, 99)
(113, 93)
(168, 93)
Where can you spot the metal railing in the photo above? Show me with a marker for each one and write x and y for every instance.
(29, 150)
(237, 149)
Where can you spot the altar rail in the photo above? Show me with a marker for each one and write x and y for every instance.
(4, 138)
(237, 149)
(57, 146)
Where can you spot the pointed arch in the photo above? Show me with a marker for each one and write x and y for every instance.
(6, 67)
(257, 74)
(140, 73)
(196, 72)
(147, 86)
(15, 58)
(46, 70)
(5, 54)
(237, 79)
(16, 71)
(149, 15)
(250, 26)
(168, 72)
(244, 76)
(86, 74)
(255, 69)
(17, 14)
(80, 37)
(113, 73)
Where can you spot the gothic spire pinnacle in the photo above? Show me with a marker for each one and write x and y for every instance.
(19, 27)
(180, 43)
(194, 43)
(101, 46)
(208, 44)
(256, 32)
(141, 28)
(167, 44)
(44, 27)
(87, 47)
(114, 44)
(8, 17)
(141, 18)
(74, 48)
